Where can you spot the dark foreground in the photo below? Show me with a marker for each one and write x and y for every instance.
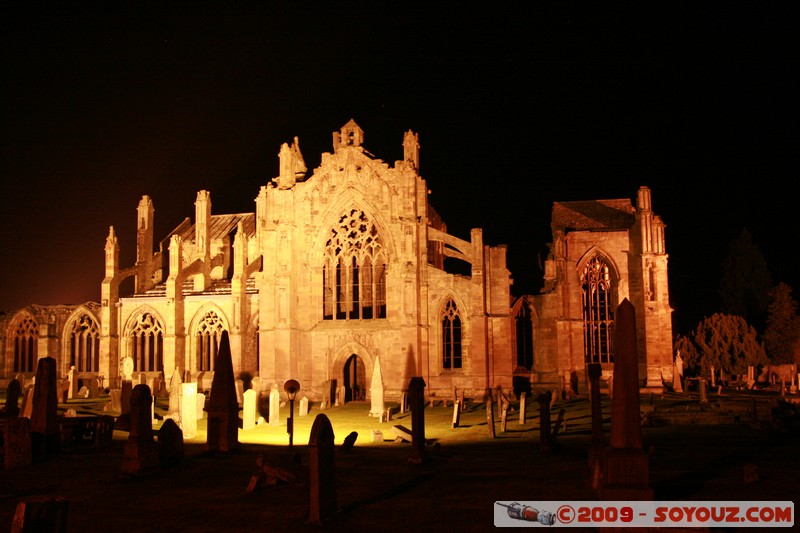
(377, 488)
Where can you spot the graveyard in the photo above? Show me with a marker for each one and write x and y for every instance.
(720, 444)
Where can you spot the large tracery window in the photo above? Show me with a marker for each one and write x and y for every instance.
(524, 332)
(147, 344)
(84, 345)
(354, 270)
(208, 337)
(598, 316)
(451, 336)
(26, 340)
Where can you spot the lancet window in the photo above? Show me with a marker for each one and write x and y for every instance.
(208, 337)
(451, 336)
(147, 338)
(84, 345)
(354, 270)
(26, 339)
(598, 315)
(523, 325)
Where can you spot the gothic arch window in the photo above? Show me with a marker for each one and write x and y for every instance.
(451, 336)
(523, 326)
(26, 340)
(147, 337)
(354, 270)
(84, 344)
(597, 308)
(208, 337)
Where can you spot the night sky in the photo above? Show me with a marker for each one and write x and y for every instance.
(517, 105)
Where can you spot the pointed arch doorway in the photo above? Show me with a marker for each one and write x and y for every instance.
(355, 379)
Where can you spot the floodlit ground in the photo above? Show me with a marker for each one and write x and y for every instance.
(377, 488)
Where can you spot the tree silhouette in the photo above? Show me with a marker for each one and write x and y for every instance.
(745, 283)
(725, 342)
(783, 326)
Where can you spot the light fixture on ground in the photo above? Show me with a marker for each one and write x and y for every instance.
(291, 387)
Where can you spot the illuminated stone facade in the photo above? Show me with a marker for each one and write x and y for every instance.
(350, 263)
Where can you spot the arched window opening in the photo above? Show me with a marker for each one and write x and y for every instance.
(354, 271)
(208, 337)
(84, 345)
(598, 316)
(26, 340)
(147, 338)
(451, 337)
(523, 323)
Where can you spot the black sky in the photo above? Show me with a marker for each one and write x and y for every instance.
(516, 106)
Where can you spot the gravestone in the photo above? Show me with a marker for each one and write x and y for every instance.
(125, 397)
(303, 409)
(73, 383)
(327, 395)
(456, 414)
(41, 514)
(321, 472)
(222, 408)
(404, 402)
(239, 384)
(625, 465)
(461, 400)
(503, 415)
(377, 435)
(249, 410)
(274, 406)
(522, 406)
(175, 396)
(187, 420)
(141, 450)
(200, 406)
(13, 392)
(416, 390)
(377, 403)
(349, 441)
(27, 403)
(545, 400)
(44, 417)
(17, 448)
(170, 444)
(489, 413)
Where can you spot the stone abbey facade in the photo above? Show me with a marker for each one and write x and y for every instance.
(347, 265)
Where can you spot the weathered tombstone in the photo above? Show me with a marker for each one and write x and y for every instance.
(377, 404)
(598, 442)
(489, 412)
(249, 411)
(73, 383)
(456, 414)
(222, 408)
(170, 444)
(175, 395)
(504, 415)
(625, 465)
(377, 435)
(404, 402)
(416, 389)
(13, 392)
(327, 396)
(125, 396)
(274, 406)
(321, 471)
(462, 400)
(239, 384)
(41, 514)
(200, 406)
(703, 395)
(187, 420)
(544, 400)
(141, 451)
(340, 396)
(303, 409)
(349, 441)
(17, 448)
(522, 406)
(44, 418)
(27, 404)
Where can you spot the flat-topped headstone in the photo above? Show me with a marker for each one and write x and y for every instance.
(303, 409)
(274, 406)
(44, 417)
(188, 416)
(250, 409)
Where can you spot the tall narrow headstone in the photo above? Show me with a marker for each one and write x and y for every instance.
(187, 420)
(13, 392)
(377, 407)
(625, 465)
(522, 406)
(73, 383)
(274, 406)
(321, 471)
(249, 409)
(27, 403)
(416, 390)
(222, 408)
(456, 414)
(175, 395)
(44, 417)
(141, 450)
(303, 410)
(489, 413)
